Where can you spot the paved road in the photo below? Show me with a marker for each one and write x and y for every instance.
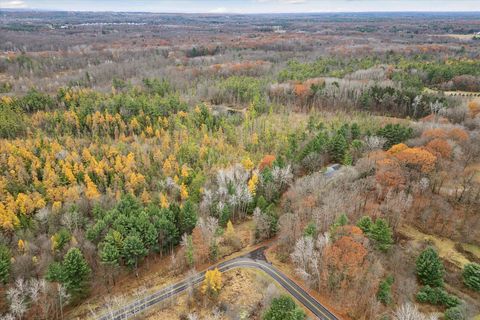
(255, 259)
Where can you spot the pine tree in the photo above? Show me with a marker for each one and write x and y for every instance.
(365, 223)
(381, 233)
(310, 230)
(342, 220)
(225, 215)
(109, 256)
(133, 251)
(471, 276)
(338, 147)
(188, 217)
(75, 272)
(168, 234)
(347, 159)
(5, 264)
(384, 294)
(430, 268)
(187, 243)
(355, 131)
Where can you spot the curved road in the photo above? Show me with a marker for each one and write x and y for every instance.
(254, 259)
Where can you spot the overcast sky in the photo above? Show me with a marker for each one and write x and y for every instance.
(245, 6)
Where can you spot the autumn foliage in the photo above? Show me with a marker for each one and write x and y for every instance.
(346, 257)
(418, 158)
(440, 147)
(474, 108)
(213, 283)
(267, 161)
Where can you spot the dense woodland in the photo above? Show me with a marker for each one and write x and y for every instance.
(147, 136)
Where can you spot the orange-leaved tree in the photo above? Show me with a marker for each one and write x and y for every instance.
(417, 158)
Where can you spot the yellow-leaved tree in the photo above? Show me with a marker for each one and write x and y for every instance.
(230, 232)
(183, 192)
(91, 189)
(163, 201)
(213, 283)
(252, 184)
(22, 246)
(248, 164)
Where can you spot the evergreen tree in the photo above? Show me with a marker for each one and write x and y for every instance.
(109, 254)
(75, 272)
(347, 159)
(213, 250)
(262, 203)
(471, 276)
(188, 244)
(133, 251)
(365, 223)
(145, 229)
(167, 232)
(342, 220)
(5, 264)
(338, 147)
(355, 131)
(54, 272)
(384, 294)
(381, 233)
(395, 134)
(430, 268)
(224, 216)
(310, 230)
(455, 313)
(365, 100)
(188, 217)
(284, 308)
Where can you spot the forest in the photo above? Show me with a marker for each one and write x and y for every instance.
(156, 144)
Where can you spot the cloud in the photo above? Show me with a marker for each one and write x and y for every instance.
(294, 1)
(218, 10)
(14, 4)
(284, 1)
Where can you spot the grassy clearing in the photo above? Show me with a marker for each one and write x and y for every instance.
(446, 247)
(473, 249)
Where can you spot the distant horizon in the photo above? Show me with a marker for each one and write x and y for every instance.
(245, 6)
(234, 13)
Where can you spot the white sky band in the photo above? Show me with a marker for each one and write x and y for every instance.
(245, 6)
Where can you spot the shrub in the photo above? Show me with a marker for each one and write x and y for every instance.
(11, 122)
(5, 264)
(471, 276)
(35, 101)
(384, 294)
(455, 313)
(310, 230)
(437, 296)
